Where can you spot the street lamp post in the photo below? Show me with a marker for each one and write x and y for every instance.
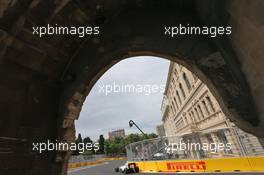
(131, 123)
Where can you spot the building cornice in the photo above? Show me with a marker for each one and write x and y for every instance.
(168, 77)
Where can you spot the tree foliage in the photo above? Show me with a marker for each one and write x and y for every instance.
(77, 141)
(101, 142)
(117, 145)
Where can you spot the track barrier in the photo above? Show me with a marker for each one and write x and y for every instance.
(234, 164)
(218, 150)
(89, 163)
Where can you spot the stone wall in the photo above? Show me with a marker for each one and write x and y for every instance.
(246, 19)
(44, 81)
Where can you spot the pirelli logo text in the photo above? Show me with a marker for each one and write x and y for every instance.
(186, 166)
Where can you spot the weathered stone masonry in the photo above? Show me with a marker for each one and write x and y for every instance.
(44, 81)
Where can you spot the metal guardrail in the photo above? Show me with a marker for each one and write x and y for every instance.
(219, 143)
(85, 158)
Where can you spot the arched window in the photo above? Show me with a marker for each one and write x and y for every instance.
(205, 107)
(171, 93)
(173, 105)
(200, 110)
(210, 103)
(176, 102)
(175, 72)
(171, 108)
(187, 82)
(179, 98)
(182, 91)
(190, 116)
(197, 114)
(194, 119)
(173, 81)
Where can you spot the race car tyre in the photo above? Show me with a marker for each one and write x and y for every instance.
(136, 169)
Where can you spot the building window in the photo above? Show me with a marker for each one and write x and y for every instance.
(171, 108)
(197, 114)
(182, 91)
(187, 82)
(210, 103)
(193, 116)
(171, 93)
(176, 102)
(175, 72)
(205, 107)
(173, 105)
(222, 138)
(200, 110)
(179, 98)
(173, 81)
(209, 138)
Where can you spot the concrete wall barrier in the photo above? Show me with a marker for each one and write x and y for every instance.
(204, 165)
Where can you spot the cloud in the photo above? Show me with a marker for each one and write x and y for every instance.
(103, 113)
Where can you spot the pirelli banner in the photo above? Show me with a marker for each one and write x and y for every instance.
(205, 165)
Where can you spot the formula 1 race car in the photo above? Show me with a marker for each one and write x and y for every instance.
(128, 168)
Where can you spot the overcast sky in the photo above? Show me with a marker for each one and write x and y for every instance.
(106, 111)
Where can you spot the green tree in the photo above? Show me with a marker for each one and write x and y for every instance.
(87, 140)
(77, 141)
(117, 145)
(79, 138)
(101, 144)
(152, 135)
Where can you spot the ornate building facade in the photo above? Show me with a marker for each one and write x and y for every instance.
(160, 130)
(188, 107)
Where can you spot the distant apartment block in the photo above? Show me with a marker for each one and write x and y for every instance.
(116, 133)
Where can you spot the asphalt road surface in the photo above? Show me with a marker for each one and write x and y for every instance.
(107, 168)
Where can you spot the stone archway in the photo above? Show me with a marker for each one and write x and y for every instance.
(44, 81)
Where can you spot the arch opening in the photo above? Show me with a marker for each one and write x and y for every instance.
(200, 110)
